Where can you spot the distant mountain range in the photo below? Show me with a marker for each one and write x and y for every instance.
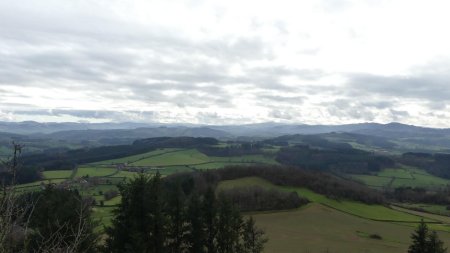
(133, 130)
(406, 136)
(32, 127)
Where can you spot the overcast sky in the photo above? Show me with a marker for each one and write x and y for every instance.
(226, 62)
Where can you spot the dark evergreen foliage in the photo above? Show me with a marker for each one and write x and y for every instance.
(156, 216)
(425, 241)
(335, 159)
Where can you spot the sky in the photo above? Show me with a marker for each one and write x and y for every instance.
(226, 62)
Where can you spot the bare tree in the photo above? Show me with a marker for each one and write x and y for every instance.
(15, 216)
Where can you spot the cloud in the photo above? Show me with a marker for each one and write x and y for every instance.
(280, 115)
(211, 62)
(429, 87)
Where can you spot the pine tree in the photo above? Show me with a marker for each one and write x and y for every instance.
(210, 215)
(196, 233)
(253, 238)
(237, 223)
(157, 216)
(434, 244)
(176, 225)
(138, 225)
(419, 239)
(227, 233)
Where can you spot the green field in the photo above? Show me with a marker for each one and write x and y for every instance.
(95, 171)
(190, 157)
(372, 181)
(404, 176)
(430, 208)
(445, 220)
(52, 174)
(372, 212)
(134, 158)
(182, 157)
(103, 215)
(397, 173)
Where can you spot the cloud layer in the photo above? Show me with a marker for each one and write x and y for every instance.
(229, 62)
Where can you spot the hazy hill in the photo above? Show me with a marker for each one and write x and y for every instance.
(390, 136)
(128, 135)
(31, 127)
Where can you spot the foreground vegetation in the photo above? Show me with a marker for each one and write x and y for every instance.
(153, 217)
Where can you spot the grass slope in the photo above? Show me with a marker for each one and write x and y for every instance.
(186, 157)
(52, 174)
(372, 212)
(430, 208)
(135, 158)
(338, 226)
(95, 171)
(317, 228)
(403, 176)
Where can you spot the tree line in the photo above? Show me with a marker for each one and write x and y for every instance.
(320, 182)
(407, 194)
(435, 164)
(347, 160)
(255, 198)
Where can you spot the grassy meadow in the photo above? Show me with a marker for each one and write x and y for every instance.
(403, 176)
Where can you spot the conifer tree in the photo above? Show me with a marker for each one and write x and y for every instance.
(225, 233)
(176, 219)
(157, 217)
(210, 215)
(434, 244)
(419, 239)
(253, 238)
(138, 219)
(196, 233)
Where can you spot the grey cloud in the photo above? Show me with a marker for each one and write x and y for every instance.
(428, 87)
(437, 105)
(83, 56)
(90, 114)
(352, 112)
(349, 109)
(278, 114)
(273, 99)
(398, 116)
(378, 104)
